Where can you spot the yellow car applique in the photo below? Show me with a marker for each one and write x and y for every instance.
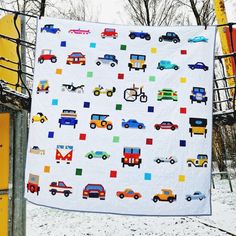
(200, 161)
(39, 118)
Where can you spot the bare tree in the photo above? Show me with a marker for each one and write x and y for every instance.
(203, 10)
(73, 10)
(152, 12)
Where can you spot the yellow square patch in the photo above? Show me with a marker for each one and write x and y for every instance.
(59, 71)
(181, 178)
(153, 50)
(47, 169)
(183, 80)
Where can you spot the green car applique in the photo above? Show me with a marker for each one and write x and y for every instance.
(97, 154)
(167, 94)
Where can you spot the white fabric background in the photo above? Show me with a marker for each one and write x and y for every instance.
(165, 142)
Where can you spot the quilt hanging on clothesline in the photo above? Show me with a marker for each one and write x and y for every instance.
(121, 118)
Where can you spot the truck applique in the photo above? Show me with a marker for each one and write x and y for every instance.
(131, 156)
(60, 187)
(33, 184)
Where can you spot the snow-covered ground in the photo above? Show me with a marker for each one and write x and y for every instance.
(46, 221)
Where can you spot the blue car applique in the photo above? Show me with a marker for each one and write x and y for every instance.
(50, 29)
(132, 124)
(68, 117)
(198, 39)
(198, 95)
(198, 65)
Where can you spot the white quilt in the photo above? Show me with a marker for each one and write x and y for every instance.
(121, 119)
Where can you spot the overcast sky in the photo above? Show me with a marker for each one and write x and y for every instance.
(112, 11)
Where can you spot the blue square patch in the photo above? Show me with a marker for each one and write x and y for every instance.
(147, 176)
(92, 45)
(54, 102)
(182, 143)
(86, 104)
(150, 109)
(63, 43)
(50, 134)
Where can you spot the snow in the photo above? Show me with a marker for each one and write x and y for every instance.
(47, 221)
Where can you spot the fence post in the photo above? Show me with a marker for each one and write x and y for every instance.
(20, 145)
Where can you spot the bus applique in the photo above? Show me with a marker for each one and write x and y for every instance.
(64, 153)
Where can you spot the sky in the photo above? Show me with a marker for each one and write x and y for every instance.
(112, 11)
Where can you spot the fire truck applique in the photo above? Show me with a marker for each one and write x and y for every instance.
(131, 156)
(64, 153)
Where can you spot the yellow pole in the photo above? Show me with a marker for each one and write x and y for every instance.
(7, 51)
(4, 171)
(221, 18)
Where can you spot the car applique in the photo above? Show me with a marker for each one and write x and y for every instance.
(79, 31)
(39, 117)
(142, 35)
(36, 150)
(100, 90)
(99, 121)
(128, 193)
(172, 160)
(49, 28)
(94, 191)
(72, 88)
(167, 94)
(170, 37)
(198, 65)
(68, 117)
(137, 62)
(198, 39)
(43, 86)
(109, 33)
(166, 125)
(198, 126)
(107, 59)
(60, 187)
(198, 95)
(195, 196)
(163, 64)
(132, 124)
(97, 154)
(200, 161)
(165, 195)
(46, 55)
(76, 58)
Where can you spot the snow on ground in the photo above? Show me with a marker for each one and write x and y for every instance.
(42, 221)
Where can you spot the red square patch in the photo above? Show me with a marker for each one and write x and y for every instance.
(82, 137)
(120, 76)
(113, 174)
(183, 110)
(183, 52)
(149, 141)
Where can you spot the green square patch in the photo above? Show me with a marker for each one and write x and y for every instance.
(78, 171)
(152, 78)
(89, 74)
(116, 139)
(118, 107)
(123, 47)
